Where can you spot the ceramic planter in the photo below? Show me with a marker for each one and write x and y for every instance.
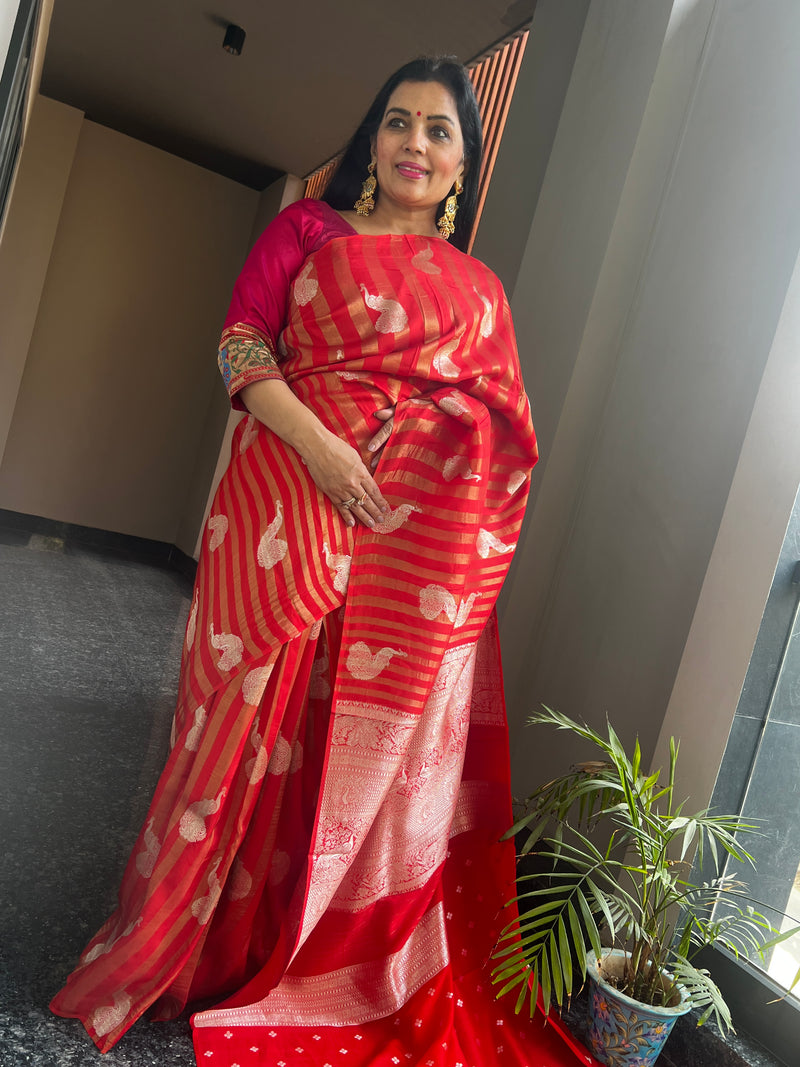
(622, 1031)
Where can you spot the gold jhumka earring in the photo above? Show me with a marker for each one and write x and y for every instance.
(366, 202)
(445, 223)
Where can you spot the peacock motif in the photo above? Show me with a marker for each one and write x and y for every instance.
(515, 480)
(443, 364)
(192, 742)
(452, 405)
(422, 261)
(230, 646)
(281, 759)
(340, 565)
(254, 684)
(108, 1017)
(203, 907)
(279, 867)
(218, 524)
(192, 826)
(256, 767)
(146, 859)
(319, 687)
(435, 599)
(191, 625)
(395, 518)
(487, 320)
(249, 434)
(365, 665)
(458, 467)
(239, 882)
(392, 318)
(271, 548)
(487, 542)
(305, 287)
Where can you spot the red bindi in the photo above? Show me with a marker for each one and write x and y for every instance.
(418, 114)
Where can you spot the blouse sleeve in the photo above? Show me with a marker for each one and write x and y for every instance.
(260, 302)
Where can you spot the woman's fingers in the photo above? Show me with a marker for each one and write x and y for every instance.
(386, 415)
(339, 472)
(369, 507)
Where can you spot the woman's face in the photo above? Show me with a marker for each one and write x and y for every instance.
(419, 149)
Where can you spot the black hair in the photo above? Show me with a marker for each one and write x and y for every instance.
(345, 185)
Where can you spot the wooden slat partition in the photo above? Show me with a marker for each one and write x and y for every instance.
(493, 78)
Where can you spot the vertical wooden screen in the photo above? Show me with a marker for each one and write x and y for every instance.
(493, 78)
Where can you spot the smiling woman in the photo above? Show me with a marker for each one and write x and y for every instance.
(423, 132)
(322, 852)
(419, 157)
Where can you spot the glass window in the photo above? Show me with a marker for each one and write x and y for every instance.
(760, 778)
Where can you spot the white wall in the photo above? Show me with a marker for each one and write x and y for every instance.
(653, 281)
(8, 15)
(527, 140)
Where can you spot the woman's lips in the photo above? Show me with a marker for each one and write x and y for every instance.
(408, 170)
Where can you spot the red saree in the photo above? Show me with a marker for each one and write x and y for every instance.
(323, 844)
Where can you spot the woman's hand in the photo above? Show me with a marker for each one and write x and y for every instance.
(338, 471)
(337, 468)
(386, 415)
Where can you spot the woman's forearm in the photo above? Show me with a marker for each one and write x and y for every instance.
(335, 466)
(273, 403)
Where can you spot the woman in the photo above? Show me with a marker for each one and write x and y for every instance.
(322, 847)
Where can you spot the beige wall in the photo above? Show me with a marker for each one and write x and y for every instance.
(120, 369)
(657, 270)
(28, 236)
(221, 420)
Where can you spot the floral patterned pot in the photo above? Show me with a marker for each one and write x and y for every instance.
(622, 1031)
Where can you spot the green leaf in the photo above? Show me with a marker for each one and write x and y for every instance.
(556, 969)
(577, 937)
(599, 898)
(589, 922)
(546, 984)
(565, 955)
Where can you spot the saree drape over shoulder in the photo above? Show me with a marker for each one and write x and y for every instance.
(322, 848)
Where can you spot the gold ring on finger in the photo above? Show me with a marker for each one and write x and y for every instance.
(361, 499)
(348, 503)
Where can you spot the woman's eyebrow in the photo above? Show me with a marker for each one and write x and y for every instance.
(405, 111)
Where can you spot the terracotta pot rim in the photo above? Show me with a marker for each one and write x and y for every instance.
(656, 1009)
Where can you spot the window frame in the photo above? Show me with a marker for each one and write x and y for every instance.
(14, 82)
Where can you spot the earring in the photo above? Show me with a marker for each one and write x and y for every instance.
(365, 204)
(445, 223)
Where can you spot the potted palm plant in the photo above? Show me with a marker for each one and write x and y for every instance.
(613, 848)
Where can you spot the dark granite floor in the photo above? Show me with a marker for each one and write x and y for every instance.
(89, 647)
(90, 641)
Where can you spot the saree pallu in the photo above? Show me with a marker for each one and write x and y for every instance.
(324, 839)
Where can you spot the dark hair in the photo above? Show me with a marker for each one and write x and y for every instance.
(345, 185)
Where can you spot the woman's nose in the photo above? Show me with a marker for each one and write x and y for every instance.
(415, 138)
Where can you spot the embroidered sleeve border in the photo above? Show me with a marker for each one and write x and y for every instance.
(246, 355)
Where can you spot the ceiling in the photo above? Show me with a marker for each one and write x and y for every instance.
(156, 70)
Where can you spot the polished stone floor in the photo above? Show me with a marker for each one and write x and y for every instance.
(89, 647)
(90, 640)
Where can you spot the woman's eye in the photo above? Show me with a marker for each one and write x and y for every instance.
(396, 123)
(440, 133)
